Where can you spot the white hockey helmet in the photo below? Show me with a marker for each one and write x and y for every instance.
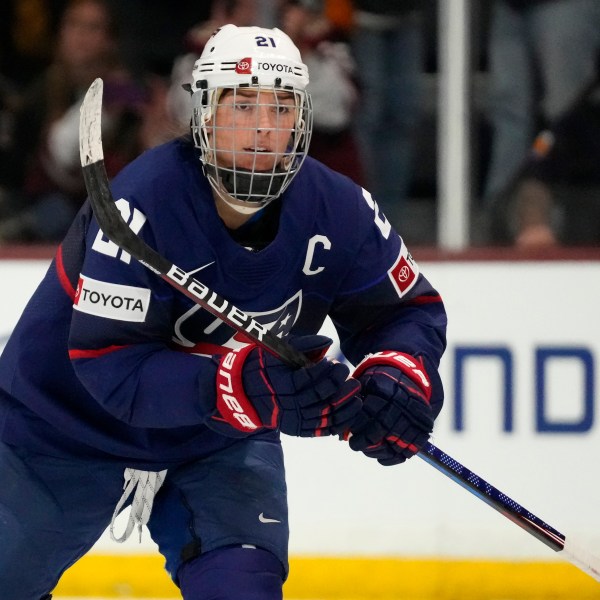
(257, 59)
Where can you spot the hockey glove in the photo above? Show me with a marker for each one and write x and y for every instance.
(396, 419)
(256, 391)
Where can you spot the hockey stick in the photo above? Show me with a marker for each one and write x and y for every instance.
(116, 229)
(113, 226)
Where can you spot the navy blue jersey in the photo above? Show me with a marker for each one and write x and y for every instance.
(108, 359)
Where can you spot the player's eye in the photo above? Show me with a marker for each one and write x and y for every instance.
(282, 109)
(242, 106)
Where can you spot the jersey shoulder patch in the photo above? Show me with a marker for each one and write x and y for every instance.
(404, 272)
(111, 300)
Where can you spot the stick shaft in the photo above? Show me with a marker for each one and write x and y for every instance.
(493, 497)
(569, 549)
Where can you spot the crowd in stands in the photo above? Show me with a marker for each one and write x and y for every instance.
(543, 183)
(367, 60)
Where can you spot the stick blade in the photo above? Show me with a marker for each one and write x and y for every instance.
(581, 557)
(90, 131)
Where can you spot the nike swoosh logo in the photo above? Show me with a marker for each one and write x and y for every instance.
(264, 519)
(200, 268)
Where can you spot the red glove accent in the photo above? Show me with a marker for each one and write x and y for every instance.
(256, 391)
(232, 403)
(412, 367)
(397, 418)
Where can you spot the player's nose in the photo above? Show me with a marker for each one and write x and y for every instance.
(266, 118)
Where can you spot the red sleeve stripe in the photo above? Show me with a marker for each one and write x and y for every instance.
(203, 348)
(424, 300)
(62, 275)
(74, 354)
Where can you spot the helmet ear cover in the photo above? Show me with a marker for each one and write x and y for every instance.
(265, 60)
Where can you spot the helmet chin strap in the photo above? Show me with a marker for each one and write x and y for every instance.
(243, 209)
(246, 183)
(243, 182)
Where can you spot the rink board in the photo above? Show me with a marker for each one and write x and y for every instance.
(521, 378)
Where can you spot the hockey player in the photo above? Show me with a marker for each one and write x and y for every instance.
(112, 371)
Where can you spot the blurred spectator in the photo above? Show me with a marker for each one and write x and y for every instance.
(41, 176)
(542, 55)
(153, 31)
(556, 198)
(332, 86)
(27, 28)
(340, 13)
(242, 13)
(388, 45)
(266, 13)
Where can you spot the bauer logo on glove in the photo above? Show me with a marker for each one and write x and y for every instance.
(257, 391)
(232, 402)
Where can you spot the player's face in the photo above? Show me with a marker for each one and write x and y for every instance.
(85, 37)
(252, 128)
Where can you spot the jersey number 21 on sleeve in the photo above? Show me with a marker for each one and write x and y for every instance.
(135, 221)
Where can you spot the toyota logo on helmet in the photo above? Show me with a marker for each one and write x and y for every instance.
(219, 65)
(244, 66)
